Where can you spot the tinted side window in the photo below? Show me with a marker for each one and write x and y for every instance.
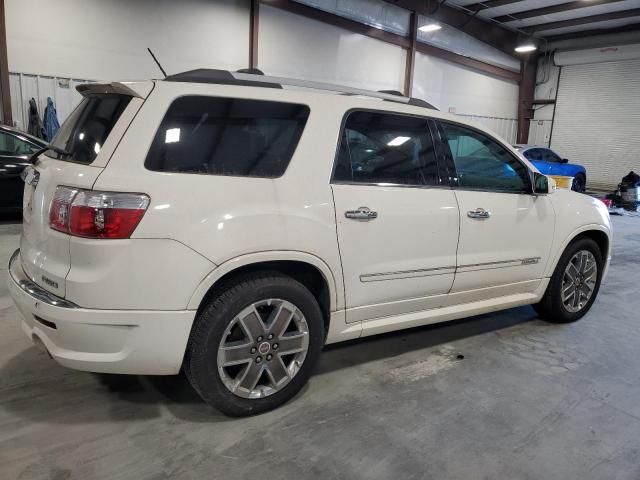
(550, 156)
(482, 163)
(227, 136)
(386, 148)
(533, 154)
(87, 128)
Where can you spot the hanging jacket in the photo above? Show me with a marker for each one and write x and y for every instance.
(35, 124)
(51, 124)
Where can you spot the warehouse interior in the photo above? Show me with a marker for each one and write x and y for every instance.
(497, 395)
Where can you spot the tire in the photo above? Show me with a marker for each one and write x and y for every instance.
(552, 308)
(579, 183)
(228, 326)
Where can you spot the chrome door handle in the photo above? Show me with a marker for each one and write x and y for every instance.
(478, 213)
(362, 213)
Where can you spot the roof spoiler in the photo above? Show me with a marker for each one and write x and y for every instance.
(117, 88)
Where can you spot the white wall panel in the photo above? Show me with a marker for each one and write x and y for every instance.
(294, 46)
(455, 88)
(108, 39)
(24, 87)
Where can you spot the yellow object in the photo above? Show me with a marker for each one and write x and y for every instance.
(562, 181)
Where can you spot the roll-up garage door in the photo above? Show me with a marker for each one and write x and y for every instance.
(597, 119)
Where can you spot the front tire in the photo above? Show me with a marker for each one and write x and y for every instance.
(579, 183)
(574, 284)
(255, 344)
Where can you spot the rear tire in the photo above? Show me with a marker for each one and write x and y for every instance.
(574, 284)
(254, 345)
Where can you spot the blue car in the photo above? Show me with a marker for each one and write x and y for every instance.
(550, 163)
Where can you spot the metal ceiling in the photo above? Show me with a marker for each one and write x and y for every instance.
(554, 19)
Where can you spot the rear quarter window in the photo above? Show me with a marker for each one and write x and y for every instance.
(88, 127)
(227, 136)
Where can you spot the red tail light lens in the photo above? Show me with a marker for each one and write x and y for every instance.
(91, 214)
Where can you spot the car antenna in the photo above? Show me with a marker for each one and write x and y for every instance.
(157, 62)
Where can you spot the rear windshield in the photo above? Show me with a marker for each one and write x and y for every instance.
(227, 136)
(82, 135)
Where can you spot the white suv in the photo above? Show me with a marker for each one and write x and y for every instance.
(232, 224)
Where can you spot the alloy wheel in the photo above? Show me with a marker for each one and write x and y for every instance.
(263, 348)
(579, 281)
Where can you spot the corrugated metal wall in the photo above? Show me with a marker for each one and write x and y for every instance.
(597, 120)
(24, 87)
(507, 128)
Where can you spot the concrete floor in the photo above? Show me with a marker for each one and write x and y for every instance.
(529, 400)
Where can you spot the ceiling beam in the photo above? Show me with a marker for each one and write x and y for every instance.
(477, 7)
(563, 7)
(501, 38)
(635, 12)
(634, 27)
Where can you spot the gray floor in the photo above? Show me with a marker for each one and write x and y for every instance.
(529, 400)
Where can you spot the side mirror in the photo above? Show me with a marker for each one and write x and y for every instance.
(565, 160)
(543, 185)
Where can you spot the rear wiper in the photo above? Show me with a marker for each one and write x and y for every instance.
(60, 151)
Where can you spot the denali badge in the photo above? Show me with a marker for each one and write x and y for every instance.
(49, 282)
(530, 261)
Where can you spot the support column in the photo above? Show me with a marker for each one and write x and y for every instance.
(5, 96)
(527, 87)
(411, 55)
(253, 33)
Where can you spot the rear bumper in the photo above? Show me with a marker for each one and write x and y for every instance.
(142, 342)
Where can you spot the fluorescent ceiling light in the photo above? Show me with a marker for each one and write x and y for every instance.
(529, 47)
(396, 142)
(430, 27)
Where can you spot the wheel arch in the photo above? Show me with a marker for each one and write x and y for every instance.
(308, 269)
(598, 233)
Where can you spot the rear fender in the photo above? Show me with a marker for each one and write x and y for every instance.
(335, 301)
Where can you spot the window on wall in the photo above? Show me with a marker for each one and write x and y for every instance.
(482, 163)
(386, 148)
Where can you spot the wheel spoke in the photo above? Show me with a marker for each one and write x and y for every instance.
(253, 326)
(582, 259)
(572, 271)
(236, 354)
(276, 370)
(291, 343)
(281, 317)
(250, 376)
(568, 292)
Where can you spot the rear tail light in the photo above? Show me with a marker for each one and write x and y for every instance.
(91, 214)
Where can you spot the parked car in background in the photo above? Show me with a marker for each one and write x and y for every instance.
(15, 149)
(550, 163)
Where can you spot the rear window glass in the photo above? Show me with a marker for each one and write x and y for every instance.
(227, 136)
(82, 135)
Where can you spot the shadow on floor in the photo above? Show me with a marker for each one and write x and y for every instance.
(46, 389)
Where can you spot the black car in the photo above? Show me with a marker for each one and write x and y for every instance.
(15, 149)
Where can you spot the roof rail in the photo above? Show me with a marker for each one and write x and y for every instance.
(225, 77)
(412, 100)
